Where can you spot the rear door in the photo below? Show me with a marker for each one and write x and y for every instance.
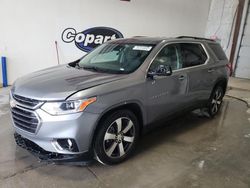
(195, 62)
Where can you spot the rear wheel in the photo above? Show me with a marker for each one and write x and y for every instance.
(215, 101)
(117, 137)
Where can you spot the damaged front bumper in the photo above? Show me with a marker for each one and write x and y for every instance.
(52, 157)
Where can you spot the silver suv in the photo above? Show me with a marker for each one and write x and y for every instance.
(97, 106)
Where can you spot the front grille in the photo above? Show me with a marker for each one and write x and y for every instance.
(24, 119)
(26, 101)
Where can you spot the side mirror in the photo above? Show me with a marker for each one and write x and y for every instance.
(161, 70)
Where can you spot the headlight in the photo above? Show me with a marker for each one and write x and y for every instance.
(67, 107)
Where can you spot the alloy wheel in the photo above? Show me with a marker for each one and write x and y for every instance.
(119, 137)
(216, 101)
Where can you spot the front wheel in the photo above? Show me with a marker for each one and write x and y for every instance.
(117, 137)
(215, 101)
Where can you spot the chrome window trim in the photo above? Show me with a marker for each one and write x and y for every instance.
(189, 42)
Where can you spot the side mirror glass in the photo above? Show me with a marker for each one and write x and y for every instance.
(161, 70)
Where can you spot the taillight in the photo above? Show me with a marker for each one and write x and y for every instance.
(230, 69)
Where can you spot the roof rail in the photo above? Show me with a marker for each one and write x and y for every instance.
(198, 38)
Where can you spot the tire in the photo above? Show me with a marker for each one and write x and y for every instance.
(215, 101)
(117, 137)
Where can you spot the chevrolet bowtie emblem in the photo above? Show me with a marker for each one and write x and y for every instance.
(13, 103)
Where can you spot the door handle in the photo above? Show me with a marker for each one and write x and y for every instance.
(181, 77)
(210, 70)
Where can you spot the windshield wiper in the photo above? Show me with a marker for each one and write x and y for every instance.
(97, 69)
(93, 68)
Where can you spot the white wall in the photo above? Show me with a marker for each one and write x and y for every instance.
(29, 28)
(221, 20)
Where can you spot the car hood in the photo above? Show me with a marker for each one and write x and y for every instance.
(57, 83)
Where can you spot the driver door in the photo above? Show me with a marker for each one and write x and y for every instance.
(166, 94)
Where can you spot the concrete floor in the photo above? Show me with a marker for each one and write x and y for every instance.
(191, 151)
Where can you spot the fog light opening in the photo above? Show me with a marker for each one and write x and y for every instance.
(68, 144)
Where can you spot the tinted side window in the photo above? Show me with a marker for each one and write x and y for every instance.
(218, 51)
(192, 54)
(167, 56)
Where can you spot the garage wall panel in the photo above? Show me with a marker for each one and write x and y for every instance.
(30, 28)
(243, 59)
(245, 40)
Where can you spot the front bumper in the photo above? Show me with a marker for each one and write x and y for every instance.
(78, 127)
(37, 151)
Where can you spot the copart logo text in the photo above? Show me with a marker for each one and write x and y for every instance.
(90, 38)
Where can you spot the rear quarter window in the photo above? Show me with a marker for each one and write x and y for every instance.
(218, 51)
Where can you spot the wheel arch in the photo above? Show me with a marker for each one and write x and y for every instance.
(221, 82)
(132, 106)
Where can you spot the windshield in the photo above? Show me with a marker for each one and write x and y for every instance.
(120, 58)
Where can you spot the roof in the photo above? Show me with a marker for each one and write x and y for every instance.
(141, 40)
(156, 40)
